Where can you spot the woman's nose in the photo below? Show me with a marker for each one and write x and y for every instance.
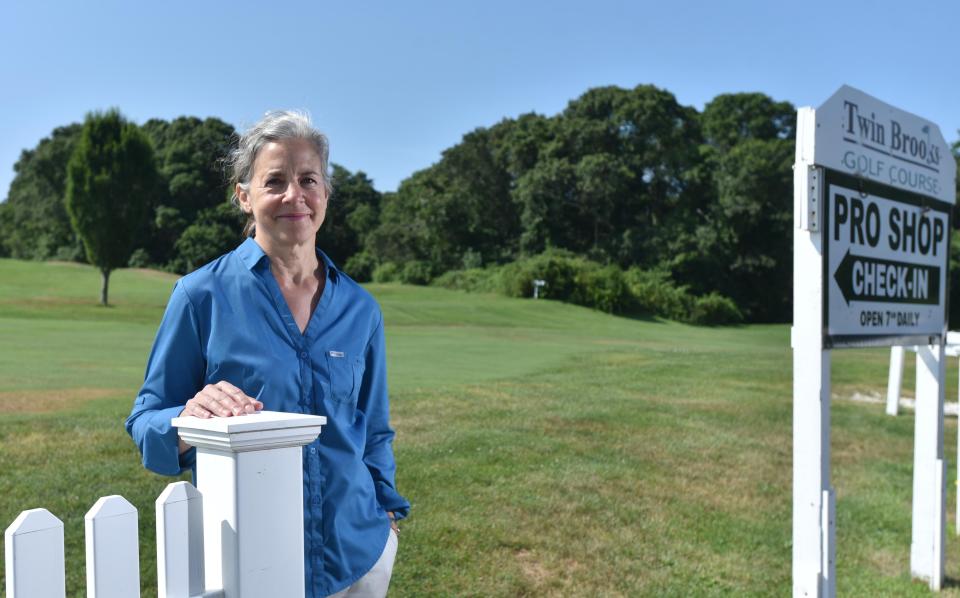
(294, 192)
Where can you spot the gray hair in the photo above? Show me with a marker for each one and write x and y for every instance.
(276, 125)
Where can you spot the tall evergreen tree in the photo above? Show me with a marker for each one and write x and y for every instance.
(110, 178)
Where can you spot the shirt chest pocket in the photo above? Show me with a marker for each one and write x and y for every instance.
(346, 374)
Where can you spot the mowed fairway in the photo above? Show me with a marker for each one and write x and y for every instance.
(547, 449)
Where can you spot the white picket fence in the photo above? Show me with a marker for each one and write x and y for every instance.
(239, 535)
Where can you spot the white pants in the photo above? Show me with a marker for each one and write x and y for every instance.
(377, 580)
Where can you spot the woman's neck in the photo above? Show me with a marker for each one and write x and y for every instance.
(295, 264)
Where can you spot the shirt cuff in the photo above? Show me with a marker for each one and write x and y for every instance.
(188, 459)
(161, 452)
(391, 500)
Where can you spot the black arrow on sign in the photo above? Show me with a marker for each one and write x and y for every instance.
(862, 278)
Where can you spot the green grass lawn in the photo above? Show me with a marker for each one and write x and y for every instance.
(547, 449)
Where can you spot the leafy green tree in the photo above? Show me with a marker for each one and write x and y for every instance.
(743, 241)
(632, 151)
(33, 221)
(216, 231)
(476, 211)
(110, 178)
(731, 118)
(603, 181)
(546, 196)
(188, 152)
(754, 216)
(458, 206)
(401, 234)
(518, 144)
(955, 148)
(956, 157)
(606, 178)
(353, 212)
(953, 316)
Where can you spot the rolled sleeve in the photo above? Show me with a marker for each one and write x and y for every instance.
(374, 402)
(174, 374)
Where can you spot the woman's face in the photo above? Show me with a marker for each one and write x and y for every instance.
(286, 195)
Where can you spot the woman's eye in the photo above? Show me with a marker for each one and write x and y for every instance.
(308, 181)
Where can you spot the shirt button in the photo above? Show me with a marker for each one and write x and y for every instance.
(313, 451)
(316, 500)
(303, 355)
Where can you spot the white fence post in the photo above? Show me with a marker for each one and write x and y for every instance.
(113, 550)
(253, 546)
(34, 556)
(180, 541)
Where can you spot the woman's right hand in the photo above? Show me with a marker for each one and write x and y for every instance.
(221, 399)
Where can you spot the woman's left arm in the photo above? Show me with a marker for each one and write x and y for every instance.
(374, 403)
(174, 373)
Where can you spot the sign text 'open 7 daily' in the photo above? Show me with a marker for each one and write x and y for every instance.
(874, 188)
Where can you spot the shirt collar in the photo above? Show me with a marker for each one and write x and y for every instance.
(332, 271)
(251, 254)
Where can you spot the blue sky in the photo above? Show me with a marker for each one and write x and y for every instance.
(394, 83)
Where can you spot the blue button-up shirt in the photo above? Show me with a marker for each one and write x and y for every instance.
(229, 321)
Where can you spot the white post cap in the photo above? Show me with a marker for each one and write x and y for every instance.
(252, 432)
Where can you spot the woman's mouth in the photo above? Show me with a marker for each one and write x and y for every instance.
(293, 216)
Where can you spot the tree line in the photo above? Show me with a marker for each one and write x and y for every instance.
(700, 202)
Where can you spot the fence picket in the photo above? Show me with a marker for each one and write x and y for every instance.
(34, 556)
(180, 541)
(113, 553)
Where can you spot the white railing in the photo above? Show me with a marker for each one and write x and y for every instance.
(239, 535)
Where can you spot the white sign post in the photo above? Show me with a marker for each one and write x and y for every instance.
(873, 190)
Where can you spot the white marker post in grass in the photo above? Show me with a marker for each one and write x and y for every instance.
(873, 191)
(895, 380)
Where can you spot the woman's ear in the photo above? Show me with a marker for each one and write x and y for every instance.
(243, 198)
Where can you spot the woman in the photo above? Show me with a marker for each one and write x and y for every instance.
(275, 325)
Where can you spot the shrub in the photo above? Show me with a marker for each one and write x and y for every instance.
(575, 279)
(416, 272)
(386, 272)
(139, 259)
(602, 288)
(714, 309)
(202, 242)
(654, 292)
(360, 266)
(71, 253)
(472, 259)
(557, 268)
(474, 280)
